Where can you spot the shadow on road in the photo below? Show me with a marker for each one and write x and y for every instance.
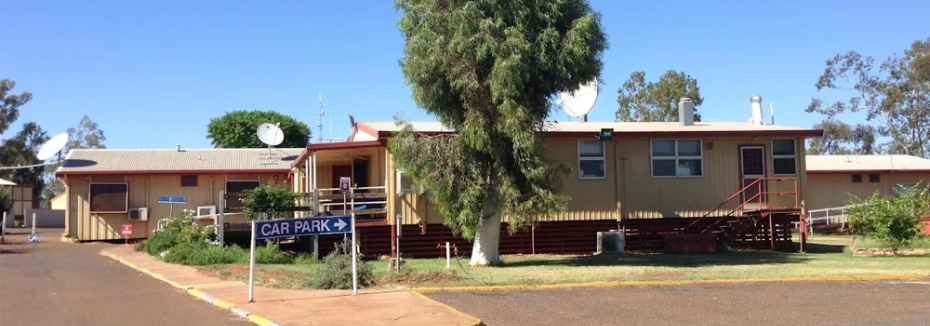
(670, 260)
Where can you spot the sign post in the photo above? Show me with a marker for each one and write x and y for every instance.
(3, 229)
(344, 189)
(220, 227)
(252, 261)
(126, 231)
(172, 200)
(354, 251)
(295, 227)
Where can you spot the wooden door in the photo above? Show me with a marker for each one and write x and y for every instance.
(752, 168)
(341, 171)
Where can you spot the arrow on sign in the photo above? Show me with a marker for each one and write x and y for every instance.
(340, 224)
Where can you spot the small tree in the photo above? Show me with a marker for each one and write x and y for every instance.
(277, 202)
(891, 219)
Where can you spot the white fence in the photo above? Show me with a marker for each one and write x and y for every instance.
(828, 216)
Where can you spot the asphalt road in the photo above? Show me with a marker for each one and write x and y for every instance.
(55, 283)
(822, 303)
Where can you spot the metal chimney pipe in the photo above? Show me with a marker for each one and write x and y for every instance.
(686, 112)
(756, 101)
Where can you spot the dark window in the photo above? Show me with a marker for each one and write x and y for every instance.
(784, 157)
(873, 178)
(188, 181)
(857, 178)
(235, 192)
(109, 197)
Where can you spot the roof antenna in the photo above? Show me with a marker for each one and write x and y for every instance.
(772, 112)
(321, 117)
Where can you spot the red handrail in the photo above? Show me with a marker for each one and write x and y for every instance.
(759, 195)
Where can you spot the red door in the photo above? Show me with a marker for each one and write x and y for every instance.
(752, 168)
(341, 171)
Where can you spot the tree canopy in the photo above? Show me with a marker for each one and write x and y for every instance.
(657, 101)
(87, 134)
(21, 149)
(10, 103)
(896, 94)
(236, 129)
(841, 138)
(488, 69)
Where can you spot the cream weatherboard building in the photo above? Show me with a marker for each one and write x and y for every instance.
(836, 180)
(107, 188)
(645, 171)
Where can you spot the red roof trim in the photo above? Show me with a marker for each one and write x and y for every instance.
(676, 133)
(866, 171)
(170, 172)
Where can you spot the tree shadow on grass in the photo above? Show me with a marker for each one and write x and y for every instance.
(729, 258)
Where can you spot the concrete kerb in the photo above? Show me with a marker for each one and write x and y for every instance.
(225, 305)
(657, 283)
(475, 320)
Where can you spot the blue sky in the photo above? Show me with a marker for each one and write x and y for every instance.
(153, 73)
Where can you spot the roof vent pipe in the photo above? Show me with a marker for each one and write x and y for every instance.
(177, 147)
(756, 101)
(686, 112)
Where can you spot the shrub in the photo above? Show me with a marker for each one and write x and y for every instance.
(335, 272)
(891, 219)
(204, 254)
(272, 254)
(159, 242)
(276, 201)
(177, 229)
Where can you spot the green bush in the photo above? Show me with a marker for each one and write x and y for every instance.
(177, 229)
(272, 254)
(891, 219)
(277, 202)
(204, 254)
(159, 242)
(335, 271)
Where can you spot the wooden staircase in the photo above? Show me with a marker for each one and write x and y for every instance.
(762, 227)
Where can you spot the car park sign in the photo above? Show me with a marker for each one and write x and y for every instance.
(302, 227)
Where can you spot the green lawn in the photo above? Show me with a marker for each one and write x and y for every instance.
(827, 256)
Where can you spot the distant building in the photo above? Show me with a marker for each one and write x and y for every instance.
(60, 201)
(833, 180)
(106, 188)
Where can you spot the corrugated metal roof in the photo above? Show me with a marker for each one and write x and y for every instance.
(86, 161)
(4, 182)
(841, 163)
(619, 127)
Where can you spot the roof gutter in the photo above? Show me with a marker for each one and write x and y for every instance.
(171, 172)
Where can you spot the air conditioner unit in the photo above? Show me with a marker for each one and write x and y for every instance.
(206, 212)
(405, 184)
(139, 214)
(610, 242)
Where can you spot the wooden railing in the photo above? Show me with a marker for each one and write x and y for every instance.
(370, 202)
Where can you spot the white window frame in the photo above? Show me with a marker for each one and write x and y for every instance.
(676, 157)
(602, 158)
(782, 156)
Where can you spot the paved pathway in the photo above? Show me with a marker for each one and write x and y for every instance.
(802, 303)
(55, 283)
(306, 307)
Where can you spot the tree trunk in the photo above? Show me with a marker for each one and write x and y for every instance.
(485, 251)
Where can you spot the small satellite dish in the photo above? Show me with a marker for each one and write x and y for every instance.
(270, 134)
(52, 146)
(580, 101)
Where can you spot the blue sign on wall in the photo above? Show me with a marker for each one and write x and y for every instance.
(172, 200)
(302, 226)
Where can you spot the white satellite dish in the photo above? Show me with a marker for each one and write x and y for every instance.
(580, 101)
(52, 146)
(270, 134)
